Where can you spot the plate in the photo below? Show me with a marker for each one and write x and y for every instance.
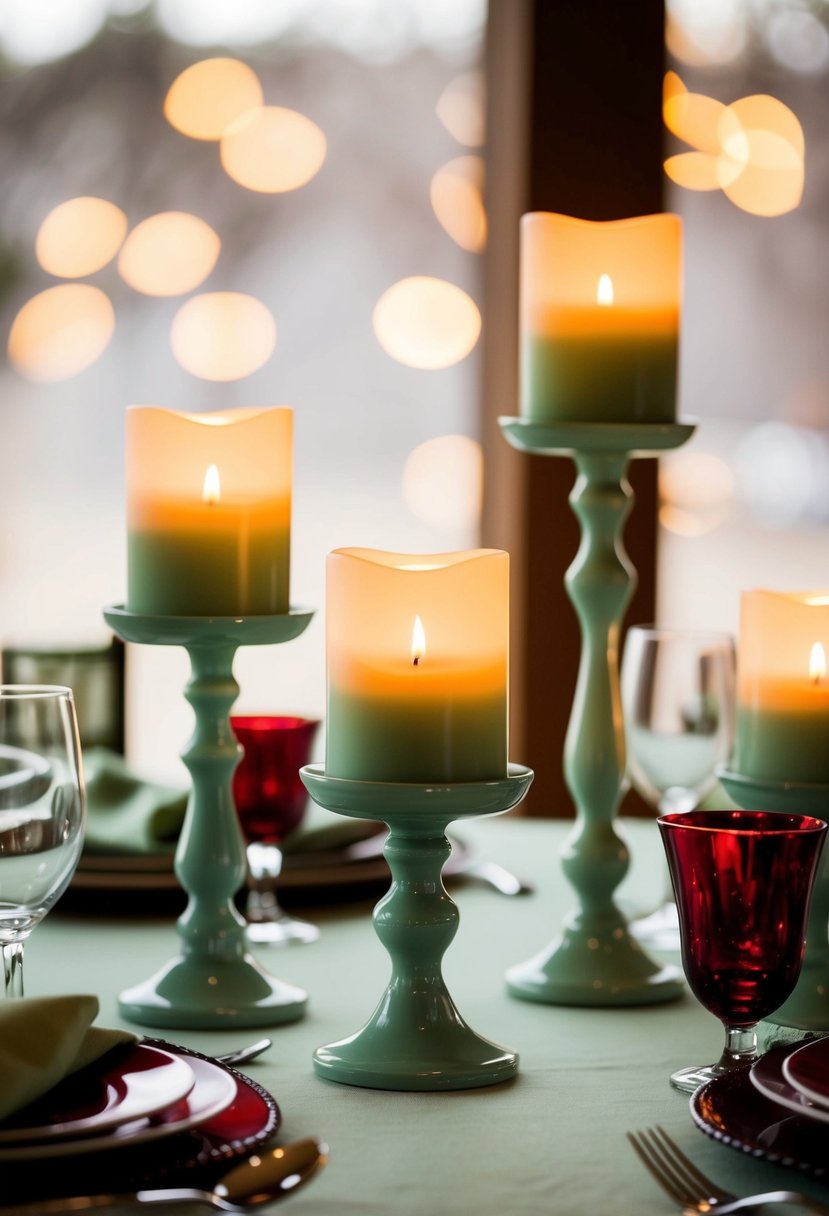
(732, 1110)
(213, 1091)
(184, 1158)
(138, 1081)
(768, 1076)
(807, 1069)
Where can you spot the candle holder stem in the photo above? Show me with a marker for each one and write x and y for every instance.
(416, 1039)
(214, 982)
(595, 961)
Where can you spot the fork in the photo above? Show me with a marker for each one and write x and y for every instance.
(692, 1191)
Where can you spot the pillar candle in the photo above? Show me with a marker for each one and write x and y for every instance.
(417, 665)
(782, 687)
(599, 318)
(208, 511)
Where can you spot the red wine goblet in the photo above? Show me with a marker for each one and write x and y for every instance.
(742, 880)
(270, 802)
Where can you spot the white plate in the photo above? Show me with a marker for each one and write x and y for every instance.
(136, 1082)
(213, 1091)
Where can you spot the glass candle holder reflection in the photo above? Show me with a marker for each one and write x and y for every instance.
(271, 802)
(743, 881)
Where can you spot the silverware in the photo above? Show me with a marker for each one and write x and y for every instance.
(245, 1054)
(264, 1177)
(493, 873)
(692, 1191)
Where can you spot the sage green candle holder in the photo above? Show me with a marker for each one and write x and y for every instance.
(595, 961)
(416, 1039)
(808, 1006)
(214, 982)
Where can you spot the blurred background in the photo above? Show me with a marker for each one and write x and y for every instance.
(208, 205)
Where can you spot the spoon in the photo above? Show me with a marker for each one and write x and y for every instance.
(261, 1178)
(245, 1054)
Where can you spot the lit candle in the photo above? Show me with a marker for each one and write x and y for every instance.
(417, 665)
(599, 309)
(208, 511)
(782, 687)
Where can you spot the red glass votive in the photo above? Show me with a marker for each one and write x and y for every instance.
(270, 798)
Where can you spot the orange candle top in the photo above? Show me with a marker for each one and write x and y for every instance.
(584, 279)
(418, 624)
(784, 645)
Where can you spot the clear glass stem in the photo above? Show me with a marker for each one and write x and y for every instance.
(264, 867)
(13, 968)
(740, 1047)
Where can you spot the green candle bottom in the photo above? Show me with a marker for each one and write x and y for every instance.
(380, 739)
(773, 745)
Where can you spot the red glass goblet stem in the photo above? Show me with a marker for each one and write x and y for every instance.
(743, 881)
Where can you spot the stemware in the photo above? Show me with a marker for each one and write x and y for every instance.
(42, 810)
(271, 801)
(678, 692)
(743, 880)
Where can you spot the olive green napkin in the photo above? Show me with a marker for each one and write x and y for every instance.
(43, 1040)
(127, 815)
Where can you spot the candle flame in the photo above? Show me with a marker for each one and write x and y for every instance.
(212, 489)
(604, 292)
(817, 664)
(418, 642)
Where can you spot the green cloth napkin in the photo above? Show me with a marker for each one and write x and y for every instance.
(43, 1040)
(127, 815)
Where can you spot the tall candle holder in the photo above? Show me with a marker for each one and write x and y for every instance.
(416, 1039)
(214, 982)
(596, 961)
(808, 1006)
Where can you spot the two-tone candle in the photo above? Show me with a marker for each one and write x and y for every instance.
(208, 511)
(782, 687)
(599, 318)
(417, 665)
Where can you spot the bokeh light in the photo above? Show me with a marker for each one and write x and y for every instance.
(169, 254)
(426, 323)
(696, 119)
(753, 150)
(80, 236)
(61, 331)
(206, 98)
(706, 33)
(460, 108)
(457, 201)
(443, 482)
(696, 490)
(223, 335)
(271, 150)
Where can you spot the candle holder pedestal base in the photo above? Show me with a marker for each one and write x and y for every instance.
(214, 982)
(416, 1039)
(596, 961)
(808, 1006)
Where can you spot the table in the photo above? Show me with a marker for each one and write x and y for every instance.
(551, 1142)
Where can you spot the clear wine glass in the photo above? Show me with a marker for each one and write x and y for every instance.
(42, 812)
(271, 802)
(678, 694)
(743, 880)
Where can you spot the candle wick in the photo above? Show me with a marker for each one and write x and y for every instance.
(416, 660)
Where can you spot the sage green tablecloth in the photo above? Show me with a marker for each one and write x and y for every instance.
(552, 1143)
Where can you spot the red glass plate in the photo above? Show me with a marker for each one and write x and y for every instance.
(807, 1069)
(732, 1110)
(194, 1157)
(127, 1084)
(768, 1076)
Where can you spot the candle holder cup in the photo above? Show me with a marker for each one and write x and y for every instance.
(808, 1006)
(416, 1039)
(214, 982)
(595, 961)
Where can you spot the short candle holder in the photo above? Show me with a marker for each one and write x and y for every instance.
(808, 1006)
(416, 1039)
(214, 982)
(596, 961)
